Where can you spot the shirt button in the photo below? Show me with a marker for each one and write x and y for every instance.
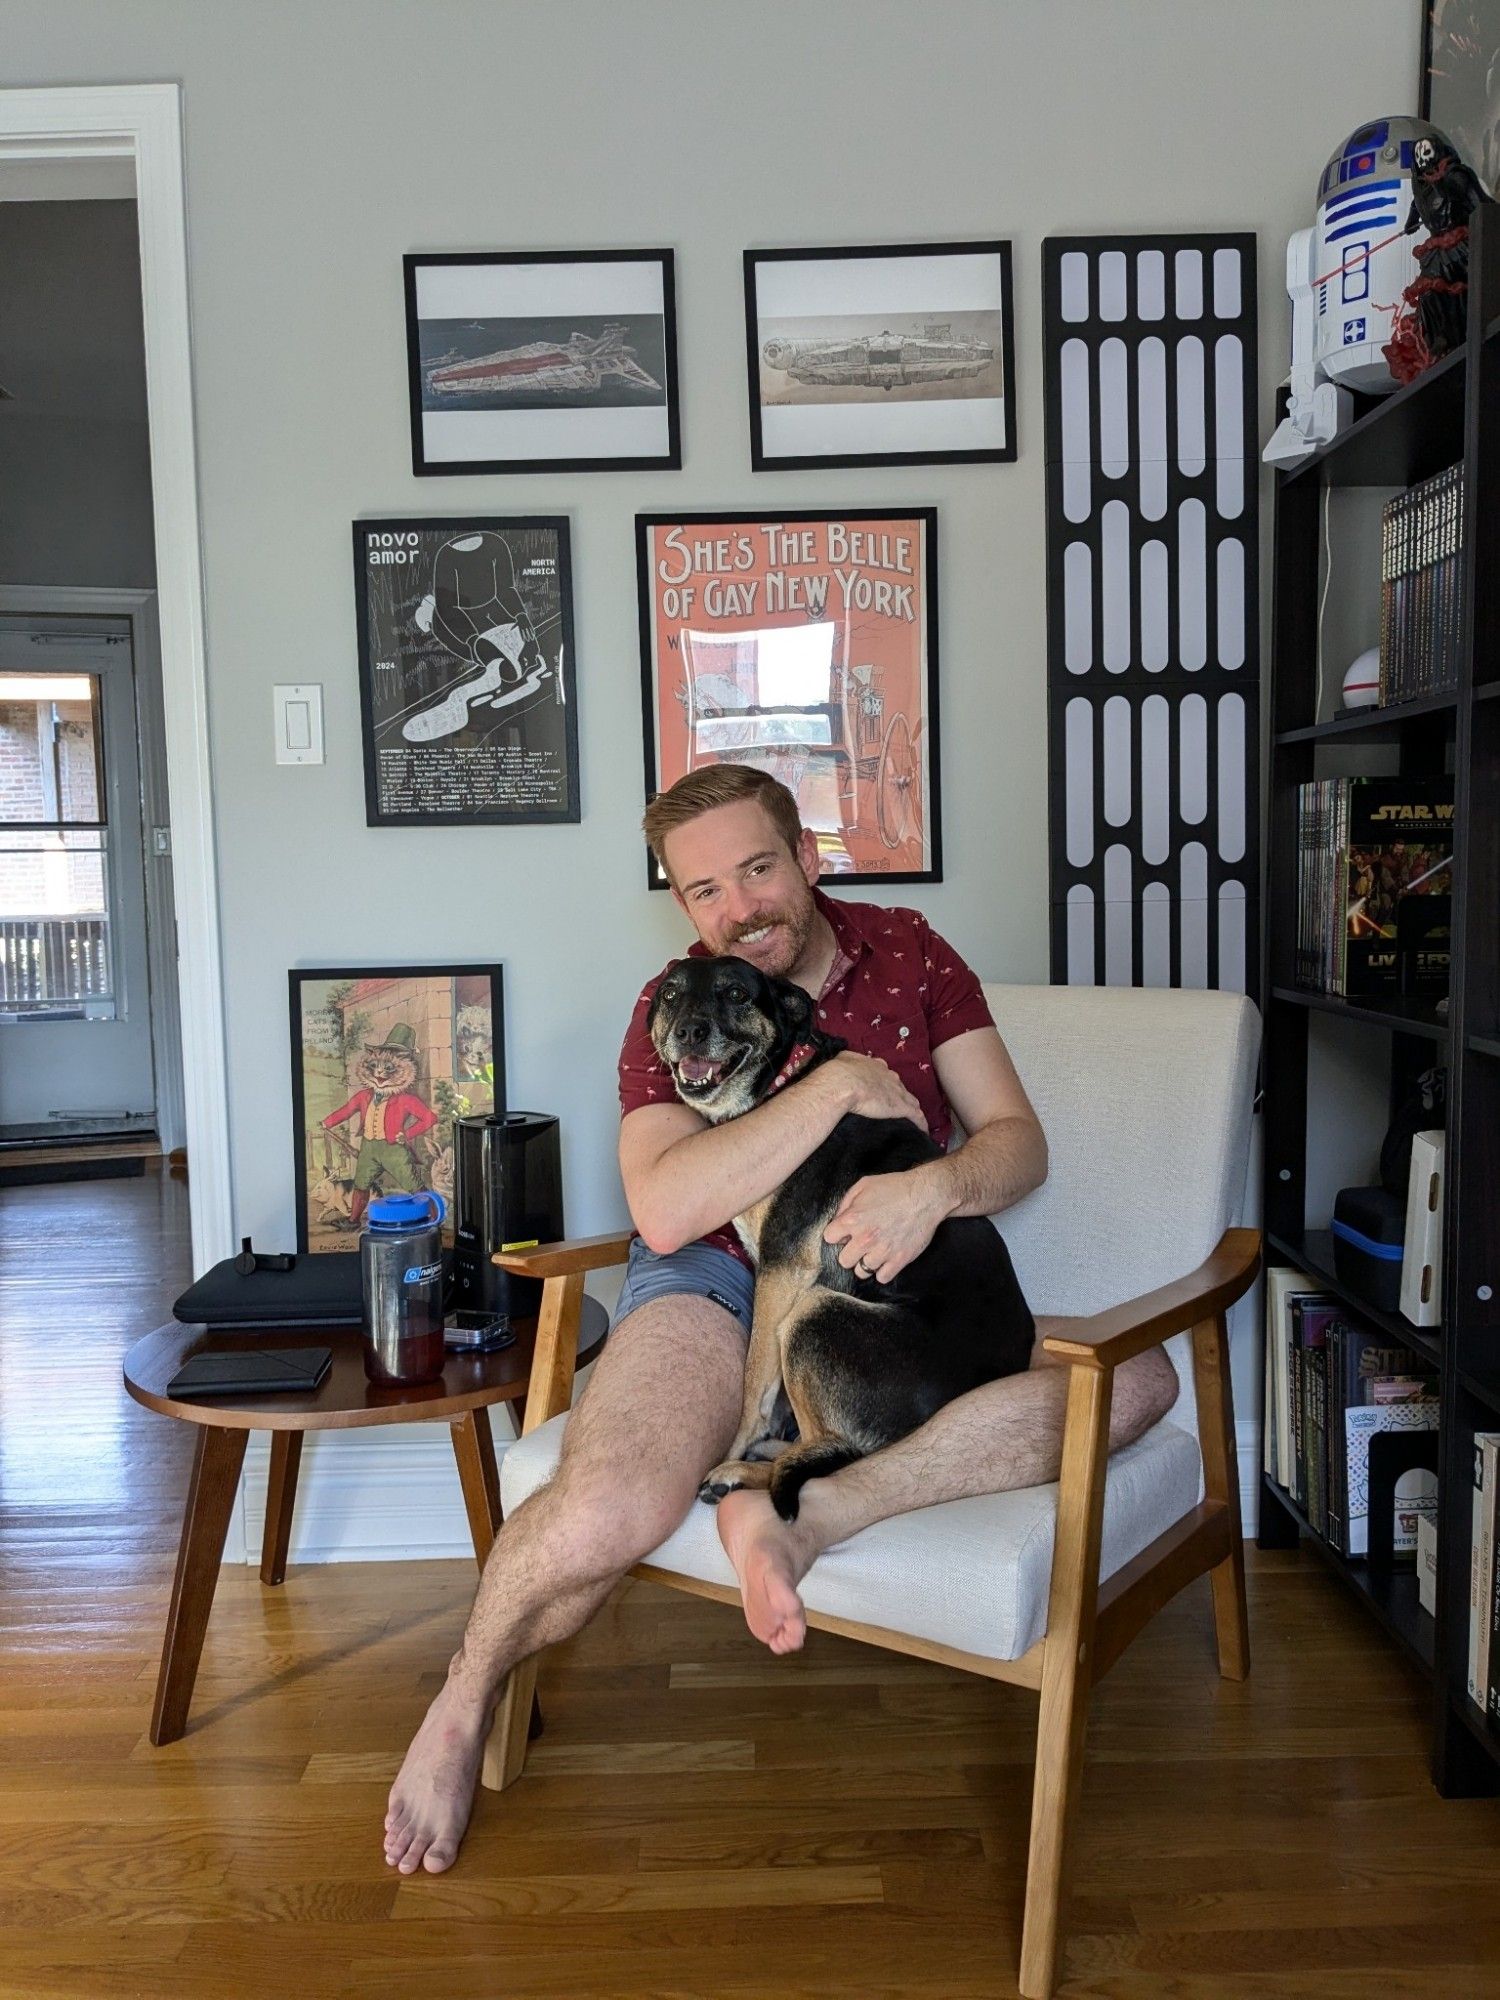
(903, 1033)
(822, 1014)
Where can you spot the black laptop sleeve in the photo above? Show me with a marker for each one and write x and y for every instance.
(317, 1291)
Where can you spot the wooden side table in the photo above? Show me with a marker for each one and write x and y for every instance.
(345, 1400)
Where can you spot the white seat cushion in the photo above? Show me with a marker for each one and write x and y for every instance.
(971, 1574)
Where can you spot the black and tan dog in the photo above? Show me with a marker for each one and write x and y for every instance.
(857, 1364)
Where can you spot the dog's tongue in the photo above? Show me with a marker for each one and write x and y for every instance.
(698, 1069)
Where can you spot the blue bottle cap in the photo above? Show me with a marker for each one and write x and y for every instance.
(405, 1211)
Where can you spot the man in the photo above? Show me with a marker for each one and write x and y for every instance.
(665, 1391)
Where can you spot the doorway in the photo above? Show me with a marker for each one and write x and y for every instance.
(76, 1044)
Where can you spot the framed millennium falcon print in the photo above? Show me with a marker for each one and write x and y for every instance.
(886, 355)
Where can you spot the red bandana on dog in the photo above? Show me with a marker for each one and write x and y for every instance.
(794, 1065)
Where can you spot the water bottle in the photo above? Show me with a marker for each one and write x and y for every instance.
(401, 1271)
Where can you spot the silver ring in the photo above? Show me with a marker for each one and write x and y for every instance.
(862, 1269)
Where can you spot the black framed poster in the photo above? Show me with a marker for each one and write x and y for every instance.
(896, 354)
(466, 672)
(542, 361)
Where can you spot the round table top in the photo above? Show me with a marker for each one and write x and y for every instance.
(346, 1397)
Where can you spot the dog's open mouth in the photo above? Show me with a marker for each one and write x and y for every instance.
(697, 1076)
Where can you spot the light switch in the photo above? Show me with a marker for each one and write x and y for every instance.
(299, 724)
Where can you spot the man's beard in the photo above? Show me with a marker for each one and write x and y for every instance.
(790, 937)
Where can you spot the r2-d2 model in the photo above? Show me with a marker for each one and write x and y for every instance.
(1345, 276)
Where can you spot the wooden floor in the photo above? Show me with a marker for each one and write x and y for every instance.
(699, 1819)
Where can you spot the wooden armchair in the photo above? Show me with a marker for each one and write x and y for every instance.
(1145, 1098)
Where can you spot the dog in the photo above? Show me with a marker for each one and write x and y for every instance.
(856, 1363)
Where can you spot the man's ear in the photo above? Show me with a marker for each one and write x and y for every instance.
(794, 1010)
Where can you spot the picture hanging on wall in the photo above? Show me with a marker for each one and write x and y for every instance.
(542, 361)
(806, 644)
(466, 671)
(899, 355)
(383, 1060)
(1460, 57)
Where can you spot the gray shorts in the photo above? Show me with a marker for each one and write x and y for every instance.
(702, 1269)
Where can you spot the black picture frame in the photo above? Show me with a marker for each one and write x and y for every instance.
(1454, 92)
(890, 423)
(871, 759)
(398, 1000)
(549, 290)
(416, 658)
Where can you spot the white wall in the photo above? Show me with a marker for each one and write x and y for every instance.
(325, 140)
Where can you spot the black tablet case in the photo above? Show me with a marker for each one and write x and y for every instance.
(317, 1291)
(255, 1371)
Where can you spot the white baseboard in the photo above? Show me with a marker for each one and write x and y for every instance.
(393, 1495)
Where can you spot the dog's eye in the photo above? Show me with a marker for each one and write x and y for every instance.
(669, 994)
(736, 996)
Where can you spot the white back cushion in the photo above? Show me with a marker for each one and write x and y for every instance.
(1145, 1097)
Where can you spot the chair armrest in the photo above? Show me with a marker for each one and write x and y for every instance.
(1105, 1339)
(561, 1260)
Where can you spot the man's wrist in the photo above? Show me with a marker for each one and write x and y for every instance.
(938, 1187)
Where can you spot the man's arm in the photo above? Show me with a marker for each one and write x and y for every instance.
(886, 1220)
(683, 1178)
(1005, 1154)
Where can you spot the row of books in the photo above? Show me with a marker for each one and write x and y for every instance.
(1421, 565)
(1484, 1579)
(1331, 1383)
(1374, 865)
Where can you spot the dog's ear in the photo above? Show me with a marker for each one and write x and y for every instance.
(794, 1010)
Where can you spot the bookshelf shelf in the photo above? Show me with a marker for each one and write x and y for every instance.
(1405, 1017)
(1405, 437)
(1390, 1594)
(1312, 1252)
(1448, 415)
(1371, 723)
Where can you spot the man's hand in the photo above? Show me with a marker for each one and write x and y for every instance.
(878, 1091)
(885, 1220)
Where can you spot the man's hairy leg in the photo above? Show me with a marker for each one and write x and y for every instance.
(1004, 1435)
(659, 1410)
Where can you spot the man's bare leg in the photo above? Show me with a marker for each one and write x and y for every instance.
(1005, 1435)
(659, 1410)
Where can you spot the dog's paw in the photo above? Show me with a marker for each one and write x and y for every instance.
(723, 1479)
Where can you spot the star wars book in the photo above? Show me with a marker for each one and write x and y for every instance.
(1395, 841)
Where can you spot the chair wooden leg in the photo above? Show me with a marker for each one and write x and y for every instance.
(518, 1715)
(281, 1498)
(474, 1448)
(1067, 1673)
(216, 1474)
(1221, 1482)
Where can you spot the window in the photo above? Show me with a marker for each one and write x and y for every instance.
(55, 959)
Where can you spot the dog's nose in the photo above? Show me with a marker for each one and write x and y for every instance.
(692, 1033)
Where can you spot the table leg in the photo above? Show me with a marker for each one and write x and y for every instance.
(216, 1472)
(281, 1497)
(474, 1448)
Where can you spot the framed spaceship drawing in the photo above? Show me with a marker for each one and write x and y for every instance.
(542, 361)
(893, 355)
(804, 643)
(466, 671)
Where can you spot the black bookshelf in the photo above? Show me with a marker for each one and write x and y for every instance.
(1450, 413)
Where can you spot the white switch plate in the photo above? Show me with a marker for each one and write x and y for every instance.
(299, 724)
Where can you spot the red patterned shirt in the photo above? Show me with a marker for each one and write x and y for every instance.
(895, 990)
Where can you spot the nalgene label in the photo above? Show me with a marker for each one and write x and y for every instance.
(421, 1274)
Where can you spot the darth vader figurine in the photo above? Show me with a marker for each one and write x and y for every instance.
(1444, 194)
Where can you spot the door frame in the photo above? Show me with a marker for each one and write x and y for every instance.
(139, 607)
(142, 123)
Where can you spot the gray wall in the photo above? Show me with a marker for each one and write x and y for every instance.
(325, 140)
(75, 469)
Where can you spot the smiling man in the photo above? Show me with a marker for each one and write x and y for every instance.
(663, 1403)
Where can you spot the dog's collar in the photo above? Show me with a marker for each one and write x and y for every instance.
(801, 1055)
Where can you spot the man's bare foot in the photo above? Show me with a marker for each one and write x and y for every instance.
(433, 1794)
(770, 1558)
